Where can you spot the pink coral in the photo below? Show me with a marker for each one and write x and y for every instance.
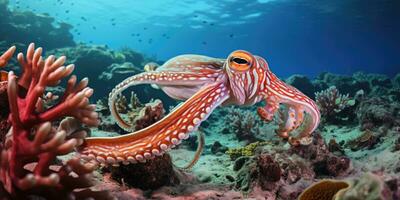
(32, 143)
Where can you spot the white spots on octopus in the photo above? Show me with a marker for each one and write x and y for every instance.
(163, 147)
(196, 121)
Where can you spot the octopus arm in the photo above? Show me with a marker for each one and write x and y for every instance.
(161, 136)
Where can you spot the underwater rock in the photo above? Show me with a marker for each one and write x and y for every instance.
(116, 72)
(396, 81)
(92, 59)
(24, 27)
(153, 174)
(345, 84)
(397, 145)
(99, 64)
(335, 148)
(302, 83)
(368, 139)
(148, 114)
(217, 147)
(323, 161)
(268, 168)
(377, 111)
(276, 174)
(131, 56)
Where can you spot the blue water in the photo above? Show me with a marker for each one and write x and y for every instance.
(295, 36)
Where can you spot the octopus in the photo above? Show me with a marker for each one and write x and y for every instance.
(204, 83)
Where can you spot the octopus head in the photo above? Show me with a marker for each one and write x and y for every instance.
(240, 67)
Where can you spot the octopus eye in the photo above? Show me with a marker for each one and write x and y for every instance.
(240, 61)
(239, 64)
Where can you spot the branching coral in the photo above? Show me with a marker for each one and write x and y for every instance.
(244, 124)
(33, 144)
(331, 102)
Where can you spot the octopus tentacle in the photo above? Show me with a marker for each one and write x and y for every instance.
(278, 92)
(199, 151)
(160, 78)
(161, 136)
(268, 111)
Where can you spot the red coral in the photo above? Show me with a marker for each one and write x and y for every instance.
(33, 144)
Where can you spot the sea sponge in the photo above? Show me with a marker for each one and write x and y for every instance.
(367, 187)
(323, 190)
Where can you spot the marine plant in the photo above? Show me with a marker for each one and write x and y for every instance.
(243, 124)
(331, 102)
(34, 142)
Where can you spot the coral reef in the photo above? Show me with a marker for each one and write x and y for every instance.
(331, 102)
(32, 144)
(22, 27)
(375, 112)
(248, 150)
(148, 114)
(283, 174)
(366, 140)
(302, 83)
(368, 186)
(150, 175)
(243, 123)
(324, 162)
(101, 64)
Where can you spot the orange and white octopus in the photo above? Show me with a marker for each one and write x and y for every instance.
(204, 83)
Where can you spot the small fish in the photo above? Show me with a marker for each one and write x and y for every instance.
(83, 18)
(67, 11)
(113, 24)
(231, 35)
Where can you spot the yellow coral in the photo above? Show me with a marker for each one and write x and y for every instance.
(244, 151)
